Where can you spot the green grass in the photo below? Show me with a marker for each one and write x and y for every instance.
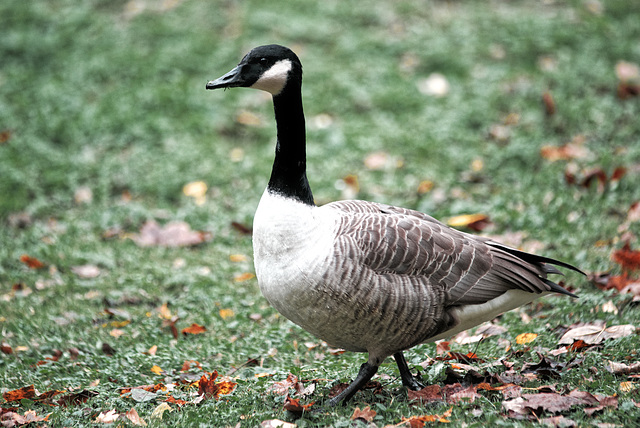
(93, 95)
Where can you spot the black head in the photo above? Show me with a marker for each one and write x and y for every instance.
(269, 68)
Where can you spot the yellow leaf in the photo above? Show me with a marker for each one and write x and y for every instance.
(226, 313)
(153, 350)
(118, 324)
(158, 411)
(525, 338)
(627, 386)
(425, 186)
(116, 332)
(465, 219)
(165, 312)
(243, 277)
(157, 370)
(196, 190)
(238, 258)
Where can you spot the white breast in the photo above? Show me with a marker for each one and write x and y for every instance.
(291, 245)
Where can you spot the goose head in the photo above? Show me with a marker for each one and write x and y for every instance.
(270, 68)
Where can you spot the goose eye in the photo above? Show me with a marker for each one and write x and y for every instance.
(263, 61)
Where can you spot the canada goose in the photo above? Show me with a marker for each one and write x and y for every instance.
(364, 276)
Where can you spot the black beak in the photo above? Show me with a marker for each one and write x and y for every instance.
(230, 80)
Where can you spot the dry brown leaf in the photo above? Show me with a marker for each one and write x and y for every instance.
(293, 405)
(27, 392)
(623, 369)
(456, 393)
(596, 333)
(549, 103)
(428, 394)
(135, 419)
(365, 414)
(12, 419)
(172, 234)
(574, 149)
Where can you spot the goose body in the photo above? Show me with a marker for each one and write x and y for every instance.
(364, 276)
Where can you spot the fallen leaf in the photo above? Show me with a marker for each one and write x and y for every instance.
(107, 417)
(86, 271)
(243, 229)
(83, 195)
(243, 277)
(141, 395)
(419, 421)
(623, 369)
(26, 392)
(226, 313)
(547, 402)
(194, 329)
(159, 410)
(157, 370)
(248, 118)
(574, 149)
(476, 222)
(365, 414)
(135, 419)
(436, 85)
(596, 333)
(153, 350)
(524, 338)
(237, 258)
(76, 398)
(293, 405)
(627, 386)
(276, 423)
(10, 418)
(376, 160)
(627, 258)
(425, 186)
(456, 393)
(196, 190)
(549, 103)
(428, 394)
(172, 234)
(31, 262)
(5, 136)
(209, 388)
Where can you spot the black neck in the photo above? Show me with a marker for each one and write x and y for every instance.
(288, 176)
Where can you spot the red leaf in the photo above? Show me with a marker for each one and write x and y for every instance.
(627, 258)
(549, 103)
(31, 262)
(20, 393)
(293, 405)
(209, 388)
(194, 329)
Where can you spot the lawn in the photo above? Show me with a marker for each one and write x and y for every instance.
(522, 113)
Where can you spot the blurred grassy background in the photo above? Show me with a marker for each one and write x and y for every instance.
(105, 118)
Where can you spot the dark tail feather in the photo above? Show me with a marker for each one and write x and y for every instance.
(556, 288)
(535, 259)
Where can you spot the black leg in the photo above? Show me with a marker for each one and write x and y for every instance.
(408, 380)
(364, 375)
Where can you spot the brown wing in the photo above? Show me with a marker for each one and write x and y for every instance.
(472, 270)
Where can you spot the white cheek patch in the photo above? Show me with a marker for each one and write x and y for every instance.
(274, 79)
